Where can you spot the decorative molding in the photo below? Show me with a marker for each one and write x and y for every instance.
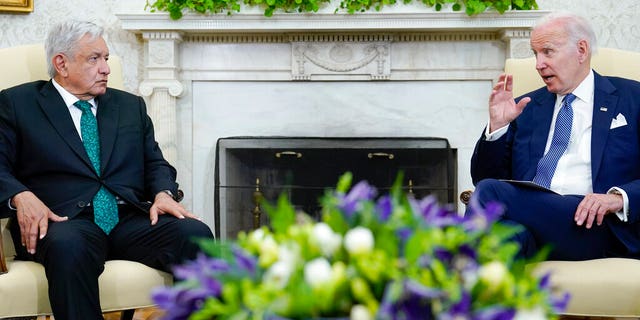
(340, 58)
(288, 22)
(148, 86)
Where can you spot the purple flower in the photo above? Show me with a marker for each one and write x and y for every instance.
(203, 266)
(350, 202)
(412, 301)
(459, 310)
(436, 215)
(245, 261)
(560, 304)
(179, 303)
(494, 313)
(384, 208)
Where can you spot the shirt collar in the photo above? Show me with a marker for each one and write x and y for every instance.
(584, 91)
(69, 99)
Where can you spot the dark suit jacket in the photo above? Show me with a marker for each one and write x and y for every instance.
(41, 151)
(615, 153)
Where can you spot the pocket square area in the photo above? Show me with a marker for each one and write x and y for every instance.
(618, 121)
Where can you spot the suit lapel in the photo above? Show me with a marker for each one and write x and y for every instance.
(603, 99)
(108, 124)
(57, 112)
(542, 115)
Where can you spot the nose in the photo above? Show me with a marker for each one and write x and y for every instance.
(104, 67)
(540, 62)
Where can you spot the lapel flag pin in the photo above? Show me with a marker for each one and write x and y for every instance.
(603, 109)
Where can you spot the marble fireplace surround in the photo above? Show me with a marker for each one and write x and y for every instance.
(402, 72)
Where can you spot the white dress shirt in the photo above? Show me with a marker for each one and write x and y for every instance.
(69, 100)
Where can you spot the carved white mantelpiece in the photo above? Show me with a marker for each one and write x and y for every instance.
(402, 72)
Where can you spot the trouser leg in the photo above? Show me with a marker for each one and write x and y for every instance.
(73, 254)
(161, 246)
(548, 220)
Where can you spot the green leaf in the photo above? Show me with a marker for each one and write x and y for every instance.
(284, 214)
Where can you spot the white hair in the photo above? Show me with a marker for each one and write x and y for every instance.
(63, 38)
(577, 28)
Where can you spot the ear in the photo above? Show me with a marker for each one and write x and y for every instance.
(583, 50)
(60, 64)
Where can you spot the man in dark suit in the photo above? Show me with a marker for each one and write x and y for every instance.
(578, 137)
(83, 178)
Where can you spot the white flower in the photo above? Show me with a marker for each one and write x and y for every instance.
(326, 239)
(269, 252)
(531, 314)
(278, 274)
(358, 240)
(360, 312)
(493, 274)
(317, 272)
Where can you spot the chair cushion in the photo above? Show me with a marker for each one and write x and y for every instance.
(602, 287)
(123, 285)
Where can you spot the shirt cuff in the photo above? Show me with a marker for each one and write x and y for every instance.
(623, 215)
(9, 204)
(495, 135)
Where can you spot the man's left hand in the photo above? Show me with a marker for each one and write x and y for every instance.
(165, 204)
(595, 206)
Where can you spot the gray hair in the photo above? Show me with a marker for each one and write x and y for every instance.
(577, 28)
(63, 38)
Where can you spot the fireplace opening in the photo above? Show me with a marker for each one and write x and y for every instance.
(249, 169)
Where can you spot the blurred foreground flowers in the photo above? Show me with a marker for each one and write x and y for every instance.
(386, 257)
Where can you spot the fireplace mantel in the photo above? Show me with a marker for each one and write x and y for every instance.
(405, 71)
(333, 22)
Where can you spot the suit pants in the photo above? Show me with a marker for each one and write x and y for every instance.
(73, 254)
(547, 219)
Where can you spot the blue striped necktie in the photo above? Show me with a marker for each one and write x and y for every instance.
(562, 132)
(105, 207)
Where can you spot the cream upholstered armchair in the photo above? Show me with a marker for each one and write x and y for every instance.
(124, 285)
(601, 287)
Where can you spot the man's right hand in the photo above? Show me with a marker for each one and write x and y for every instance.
(502, 107)
(33, 218)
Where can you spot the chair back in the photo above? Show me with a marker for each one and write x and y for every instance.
(607, 61)
(28, 63)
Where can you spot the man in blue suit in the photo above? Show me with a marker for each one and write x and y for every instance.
(83, 178)
(578, 137)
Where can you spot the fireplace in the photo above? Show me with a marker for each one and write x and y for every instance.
(391, 74)
(250, 169)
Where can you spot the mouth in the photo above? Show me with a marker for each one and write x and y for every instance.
(547, 79)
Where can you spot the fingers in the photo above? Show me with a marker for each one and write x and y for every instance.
(153, 215)
(173, 208)
(593, 208)
(523, 103)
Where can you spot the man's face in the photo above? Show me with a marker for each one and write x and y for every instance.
(85, 73)
(561, 64)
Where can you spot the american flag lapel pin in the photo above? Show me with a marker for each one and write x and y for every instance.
(603, 109)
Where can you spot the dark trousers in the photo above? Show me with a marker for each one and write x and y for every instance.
(73, 254)
(547, 219)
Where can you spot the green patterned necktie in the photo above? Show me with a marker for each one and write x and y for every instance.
(105, 207)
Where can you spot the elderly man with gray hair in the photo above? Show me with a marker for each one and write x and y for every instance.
(572, 147)
(83, 177)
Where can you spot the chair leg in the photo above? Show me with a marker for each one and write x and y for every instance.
(127, 314)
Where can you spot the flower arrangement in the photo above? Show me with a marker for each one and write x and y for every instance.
(387, 257)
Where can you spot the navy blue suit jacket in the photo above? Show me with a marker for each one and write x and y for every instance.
(615, 153)
(41, 150)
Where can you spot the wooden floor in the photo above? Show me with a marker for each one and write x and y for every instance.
(141, 314)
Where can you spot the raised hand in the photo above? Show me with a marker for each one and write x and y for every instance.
(502, 107)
